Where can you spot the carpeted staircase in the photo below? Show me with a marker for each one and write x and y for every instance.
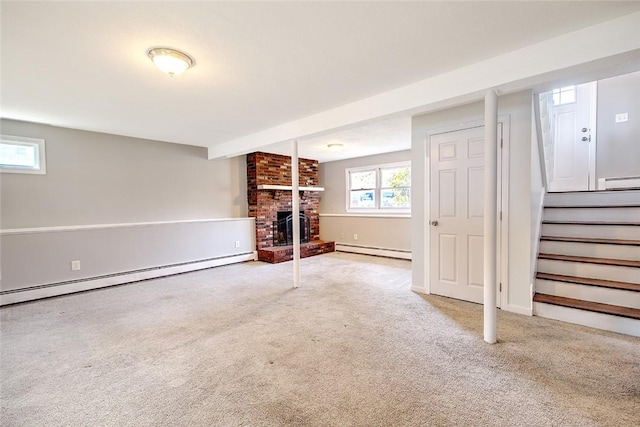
(589, 262)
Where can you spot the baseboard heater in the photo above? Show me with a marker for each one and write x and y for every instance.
(61, 288)
(623, 183)
(373, 250)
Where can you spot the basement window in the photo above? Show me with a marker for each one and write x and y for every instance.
(383, 188)
(22, 155)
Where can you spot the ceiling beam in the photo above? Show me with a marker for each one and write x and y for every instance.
(613, 43)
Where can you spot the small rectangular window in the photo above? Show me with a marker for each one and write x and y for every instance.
(22, 155)
(378, 188)
(565, 95)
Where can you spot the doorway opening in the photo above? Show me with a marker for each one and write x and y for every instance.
(588, 135)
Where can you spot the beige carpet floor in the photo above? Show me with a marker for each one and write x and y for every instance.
(236, 346)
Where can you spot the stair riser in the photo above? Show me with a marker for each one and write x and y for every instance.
(599, 294)
(588, 270)
(622, 325)
(593, 250)
(598, 198)
(592, 214)
(592, 231)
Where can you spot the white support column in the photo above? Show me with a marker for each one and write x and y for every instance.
(295, 208)
(490, 213)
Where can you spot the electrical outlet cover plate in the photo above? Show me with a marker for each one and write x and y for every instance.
(622, 117)
(75, 265)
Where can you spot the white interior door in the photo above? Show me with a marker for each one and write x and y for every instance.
(574, 140)
(456, 214)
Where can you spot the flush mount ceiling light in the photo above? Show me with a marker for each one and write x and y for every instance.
(335, 147)
(170, 61)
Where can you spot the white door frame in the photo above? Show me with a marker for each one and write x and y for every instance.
(503, 208)
(593, 144)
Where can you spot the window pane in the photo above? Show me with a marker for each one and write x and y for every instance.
(396, 177)
(363, 199)
(395, 198)
(18, 155)
(568, 95)
(361, 180)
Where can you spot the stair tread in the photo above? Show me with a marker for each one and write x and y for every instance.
(624, 223)
(587, 206)
(607, 191)
(604, 261)
(589, 281)
(598, 307)
(591, 240)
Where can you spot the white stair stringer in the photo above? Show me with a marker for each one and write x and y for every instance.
(591, 250)
(604, 295)
(590, 270)
(596, 231)
(593, 198)
(614, 213)
(607, 322)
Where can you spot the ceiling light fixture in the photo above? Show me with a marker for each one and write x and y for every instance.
(335, 147)
(170, 61)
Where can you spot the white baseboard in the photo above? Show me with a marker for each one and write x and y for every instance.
(526, 311)
(135, 276)
(419, 290)
(367, 250)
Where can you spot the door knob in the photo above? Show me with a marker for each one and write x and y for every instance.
(584, 130)
(434, 223)
(584, 138)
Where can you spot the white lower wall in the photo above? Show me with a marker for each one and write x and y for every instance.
(41, 257)
(376, 234)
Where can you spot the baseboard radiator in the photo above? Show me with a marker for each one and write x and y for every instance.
(622, 183)
(71, 286)
(372, 250)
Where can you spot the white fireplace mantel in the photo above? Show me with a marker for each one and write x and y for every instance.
(287, 187)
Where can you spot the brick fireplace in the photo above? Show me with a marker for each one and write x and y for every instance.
(271, 206)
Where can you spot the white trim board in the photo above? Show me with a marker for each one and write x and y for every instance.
(38, 292)
(121, 225)
(370, 250)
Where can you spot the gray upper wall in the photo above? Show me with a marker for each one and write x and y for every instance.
(332, 178)
(618, 145)
(97, 178)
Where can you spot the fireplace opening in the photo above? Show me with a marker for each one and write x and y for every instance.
(283, 229)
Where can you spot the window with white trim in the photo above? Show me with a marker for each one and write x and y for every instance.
(382, 188)
(22, 155)
(565, 95)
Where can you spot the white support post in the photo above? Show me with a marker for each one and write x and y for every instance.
(295, 208)
(490, 213)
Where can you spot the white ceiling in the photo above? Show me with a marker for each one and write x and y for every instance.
(258, 64)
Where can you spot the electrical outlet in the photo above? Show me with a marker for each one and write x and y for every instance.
(355, 237)
(237, 243)
(622, 117)
(75, 265)
(342, 236)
